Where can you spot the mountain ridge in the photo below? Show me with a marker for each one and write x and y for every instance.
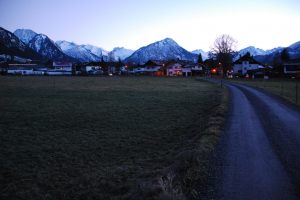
(43, 45)
(77, 51)
(11, 45)
(166, 49)
(25, 35)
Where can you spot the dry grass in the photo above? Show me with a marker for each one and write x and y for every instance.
(106, 138)
(286, 88)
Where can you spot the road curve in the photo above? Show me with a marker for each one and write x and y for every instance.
(260, 147)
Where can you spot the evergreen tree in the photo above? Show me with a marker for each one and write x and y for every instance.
(277, 63)
(103, 64)
(248, 55)
(285, 55)
(200, 60)
(119, 64)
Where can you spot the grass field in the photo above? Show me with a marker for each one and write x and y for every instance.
(107, 137)
(286, 88)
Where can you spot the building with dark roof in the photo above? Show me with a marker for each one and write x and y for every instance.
(292, 67)
(247, 64)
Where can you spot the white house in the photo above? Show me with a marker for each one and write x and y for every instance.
(94, 70)
(174, 69)
(154, 67)
(20, 69)
(61, 68)
(26, 69)
(245, 65)
(180, 69)
(197, 69)
(40, 70)
(186, 71)
(66, 66)
(146, 70)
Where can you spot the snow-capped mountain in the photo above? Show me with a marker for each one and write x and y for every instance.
(101, 53)
(203, 53)
(273, 54)
(166, 49)
(259, 54)
(12, 45)
(25, 43)
(294, 50)
(78, 52)
(270, 51)
(295, 46)
(46, 47)
(252, 50)
(120, 53)
(25, 35)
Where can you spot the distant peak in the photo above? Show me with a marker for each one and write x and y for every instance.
(24, 29)
(250, 47)
(118, 48)
(166, 41)
(121, 49)
(25, 35)
(169, 40)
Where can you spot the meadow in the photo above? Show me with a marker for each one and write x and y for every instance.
(107, 137)
(288, 89)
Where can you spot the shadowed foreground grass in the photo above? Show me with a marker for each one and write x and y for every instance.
(107, 138)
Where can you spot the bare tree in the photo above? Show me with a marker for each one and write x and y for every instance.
(224, 47)
(224, 44)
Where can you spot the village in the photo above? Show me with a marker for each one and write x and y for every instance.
(246, 66)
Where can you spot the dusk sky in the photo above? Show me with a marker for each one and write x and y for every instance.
(193, 24)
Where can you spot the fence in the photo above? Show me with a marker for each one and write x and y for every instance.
(288, 89)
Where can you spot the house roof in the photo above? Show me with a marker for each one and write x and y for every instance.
(20, 68)
(248, 58)
(22, 65)
(62, 64)
(172, 64)
(293, 61)
(154, 63)
(96, 64)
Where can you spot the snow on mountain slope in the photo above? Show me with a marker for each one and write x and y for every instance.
(295, 46)
(46, 47)
(277, 49)
(203, 53)
(10, 44)
(97, 51)
(166, 49)
(252, 50)
(294, 50)
(120, 53)
(65, 45)
(9, 40)
(25, 35)
(78, 52)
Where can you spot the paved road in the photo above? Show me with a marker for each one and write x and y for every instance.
(260, 148)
